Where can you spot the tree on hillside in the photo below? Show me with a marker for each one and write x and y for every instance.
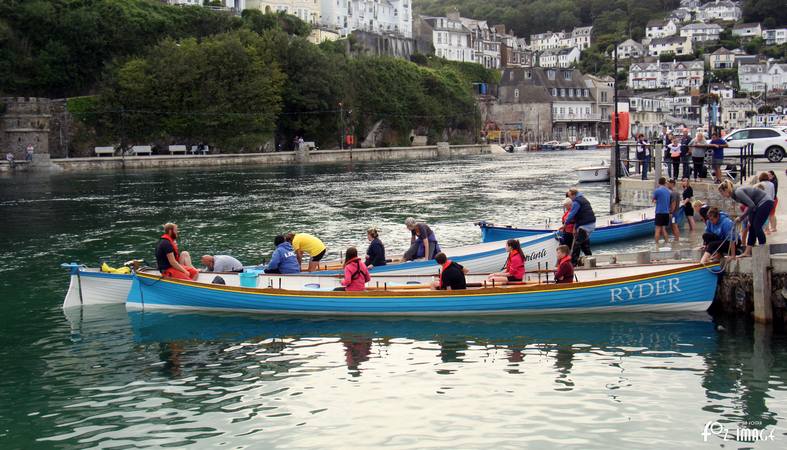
(771, 13)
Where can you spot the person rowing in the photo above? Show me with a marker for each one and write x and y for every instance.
(514, 270)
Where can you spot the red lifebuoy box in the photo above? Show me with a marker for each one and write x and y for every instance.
(623, 119)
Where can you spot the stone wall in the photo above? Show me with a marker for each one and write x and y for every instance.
(734, 295)
(534, 119)
(25, 122)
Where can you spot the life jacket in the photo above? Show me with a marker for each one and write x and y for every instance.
(564, 260)
(585, 214)
(358, 271)
(174, 245)
(508, 267)
(569, 227)
(445, 266)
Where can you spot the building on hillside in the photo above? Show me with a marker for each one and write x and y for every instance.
(736, 112)
(306, 10)
(318, 35)
(681, 76)
(681, 15)
(721, 90)
(719, 10)
(701, 32)
(775, 36)
(446, 35)
(524, 108)
(485, 42)
(659, 28)
(760, 76)
(675, 45)
(690, 5)
(747, 30)
(685, 107)
(514, 51)
(603, 90)
(581, 37)
(375, 16)
(564, 57)
(721, 59)
(647, 112)
(631, 49)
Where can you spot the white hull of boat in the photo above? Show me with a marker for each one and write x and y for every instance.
(592, 174)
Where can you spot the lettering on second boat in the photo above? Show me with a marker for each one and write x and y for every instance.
(533, 256)
(641, 291)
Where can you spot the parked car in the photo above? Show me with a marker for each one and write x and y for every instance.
(769, 143)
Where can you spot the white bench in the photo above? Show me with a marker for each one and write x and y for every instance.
(141, 150)
(104, 151)
(177, 149)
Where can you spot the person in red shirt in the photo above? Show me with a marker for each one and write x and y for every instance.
(567, 230)
(514, 270)
(356, 275)
(565, 270)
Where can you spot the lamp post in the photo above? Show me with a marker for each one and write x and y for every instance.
(616, 171)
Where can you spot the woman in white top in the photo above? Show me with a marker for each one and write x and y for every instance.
(698, 150)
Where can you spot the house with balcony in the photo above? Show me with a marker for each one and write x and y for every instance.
(514, 51)
(680, 76)
(723, 10)
(747, 30)
(701, 32)
(581, 37)
(684, 107)
(374, 16)
(547, 41)
(778, 77)
(449, 38)
(676, 45)
(647, 112)
(775, 36)
(564, 57)
(306, 10)
(631, 49)
(753, 77)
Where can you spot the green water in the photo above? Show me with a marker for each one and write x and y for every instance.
(108, 379)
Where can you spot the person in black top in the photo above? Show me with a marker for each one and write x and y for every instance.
(168, 257)
(584, 220)
(452, 275)
(685, 153)
(375, 254)
(688, 208)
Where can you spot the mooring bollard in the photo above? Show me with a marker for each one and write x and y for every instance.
(643, 257)
(761, 283)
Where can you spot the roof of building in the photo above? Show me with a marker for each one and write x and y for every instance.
(657, 23)
(722, 3)
(539, 79)
(722, 51)
(630, 42)
(433, 21)
(740, 26)
(666, 66)
(582, 31)
(702, 26)
(667, 40)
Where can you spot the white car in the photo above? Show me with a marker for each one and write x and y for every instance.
(769, 143)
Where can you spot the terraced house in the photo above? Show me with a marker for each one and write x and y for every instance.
(681, 76)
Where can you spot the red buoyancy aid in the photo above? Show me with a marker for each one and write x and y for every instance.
(568, 227)
(445, 266)
(518, 271)
(569, 269)
(174, 245)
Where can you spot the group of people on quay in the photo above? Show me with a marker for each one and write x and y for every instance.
(683, 151)
(757, 202)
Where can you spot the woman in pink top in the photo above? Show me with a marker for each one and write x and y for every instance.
(514, 269)
(356, 275)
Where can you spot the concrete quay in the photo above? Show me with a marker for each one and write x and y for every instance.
(259, 159)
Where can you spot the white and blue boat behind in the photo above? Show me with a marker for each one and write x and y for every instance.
(676, 287)
(619, 227)
(91, 286)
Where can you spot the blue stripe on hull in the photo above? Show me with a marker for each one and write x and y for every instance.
(688, 290)
(602, 235)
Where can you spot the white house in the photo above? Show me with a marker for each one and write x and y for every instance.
(647, 112)
(677, 75)
(485, 42)
(676, 45)
(753, 77)
(721, 59)
(747, 30)
(450, 39)
(722, 90)
(775, 36)
(306, 10)
(719, 10)
(778, 77)
(547, 41)
(631, 49)
(580, 37)
(681, 15)
(691, 5)
(562, 58)
(701, 32)
(377, 16)
(660, 28)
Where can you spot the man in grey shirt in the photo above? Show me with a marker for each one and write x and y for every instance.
(222, 263)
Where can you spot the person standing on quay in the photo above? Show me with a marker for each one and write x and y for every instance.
(685, 154)
(674, 208)
(584, 221)
(698, 147)
(643, 155)
(661, 197)
(718, 145)
(772, 220)
(674, 154)
(758, 206)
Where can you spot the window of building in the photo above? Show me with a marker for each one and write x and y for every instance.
(516, 93)
(567, 75)
(562, 92)
(551, 74)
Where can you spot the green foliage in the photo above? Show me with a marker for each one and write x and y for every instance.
(725, 75)
(84, 109)
(771, 13)
(225, 90)
(259, 22)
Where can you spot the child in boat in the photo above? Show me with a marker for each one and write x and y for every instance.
(565, 270)
(452, 275)
(356, 275)
(514, 270)
(375, 254)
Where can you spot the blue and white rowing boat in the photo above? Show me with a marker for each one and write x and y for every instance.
(676, 287)
(619, 227)
(91, 286)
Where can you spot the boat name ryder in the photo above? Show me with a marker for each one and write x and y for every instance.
(644, 290)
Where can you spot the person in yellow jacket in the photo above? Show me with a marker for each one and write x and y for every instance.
(306, 243)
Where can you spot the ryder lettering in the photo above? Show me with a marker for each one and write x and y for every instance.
(644, 290)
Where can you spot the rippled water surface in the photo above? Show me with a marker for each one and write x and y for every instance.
(105, 378)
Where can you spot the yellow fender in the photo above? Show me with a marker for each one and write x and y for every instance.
(121, 271)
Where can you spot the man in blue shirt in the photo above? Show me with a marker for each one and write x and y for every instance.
(283, 259)
(720, 235)
(661, 197)
(718, 144)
